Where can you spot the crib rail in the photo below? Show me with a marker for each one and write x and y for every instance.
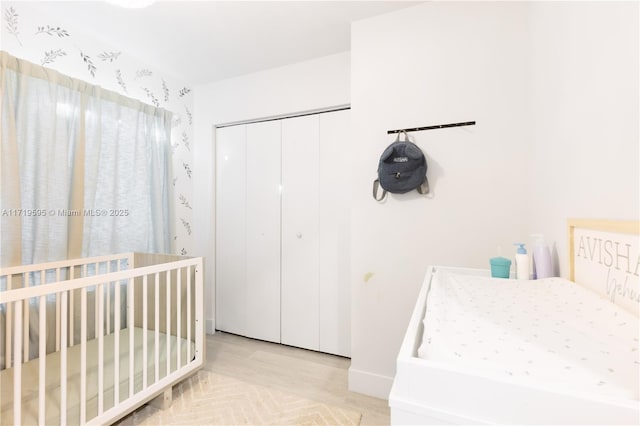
(130, 358)
(65, 264)
(53, 272)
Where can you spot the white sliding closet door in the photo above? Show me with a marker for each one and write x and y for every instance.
(334, 213)
(300, 232)
(231, 284)
(282, 231)
(263, 231)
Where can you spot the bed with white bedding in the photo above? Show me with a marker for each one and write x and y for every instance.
(480, 350)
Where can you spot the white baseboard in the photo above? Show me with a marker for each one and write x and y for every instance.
(211, 326)
(370, 383)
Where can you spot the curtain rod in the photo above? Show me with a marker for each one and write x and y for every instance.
(437, 126)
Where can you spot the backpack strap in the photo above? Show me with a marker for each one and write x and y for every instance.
(376, 186)
(424, 187)
(406, 136)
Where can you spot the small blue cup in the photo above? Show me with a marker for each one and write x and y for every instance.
(500, 267)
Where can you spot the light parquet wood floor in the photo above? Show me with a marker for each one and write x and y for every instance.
(311, 375)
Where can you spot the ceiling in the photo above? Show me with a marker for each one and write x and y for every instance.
(203, 41)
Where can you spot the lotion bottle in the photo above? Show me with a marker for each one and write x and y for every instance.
(541, 258)
(522, 262)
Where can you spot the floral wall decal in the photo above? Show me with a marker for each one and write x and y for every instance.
(189, 115)
(109, 56)
(28, 33)
(185, 140)
(50, 56)
(184, 202)
(143, 73)
(165, 90)
(90, 66)
(186, 225)
(187, 169)
(120, 80)
(152, 97)
(11, 18)
(53, 31)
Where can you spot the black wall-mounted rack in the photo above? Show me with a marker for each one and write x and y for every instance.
(437, 126)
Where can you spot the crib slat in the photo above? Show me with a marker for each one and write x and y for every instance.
(179, 316)
(145, 326)
(63, 359)
(25, 321)
(42, 372)
(116, 348)
(100, 314)
(199, 314)
(17, 367)
(108, 300)
(168, 322)
(8, 329)
(83, 355)
(130, 318)
(57, 312)
(95, 303)
(188, 314)
(70, 339)
(156, 324)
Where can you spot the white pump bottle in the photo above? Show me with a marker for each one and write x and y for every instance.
(522, 262)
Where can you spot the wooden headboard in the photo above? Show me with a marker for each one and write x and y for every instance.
(604, 256)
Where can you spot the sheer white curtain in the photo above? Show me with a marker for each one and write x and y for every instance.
(85, 171)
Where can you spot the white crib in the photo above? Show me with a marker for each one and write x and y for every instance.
(89, 340)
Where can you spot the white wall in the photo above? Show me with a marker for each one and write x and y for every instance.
(585, 111)
(319, 83)
(554, 89)
(431, 64)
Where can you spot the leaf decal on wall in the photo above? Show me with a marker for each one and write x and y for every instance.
(109, 56)
(187, 169)
(185, 140)
(183, 92)
(184, 202)
(165, 90)
(120, 81)
(52, 31)
(52, 55)
(183, 252)
(90, 66)
(177, 120)
(143, 73)
(151, 96)
(189, 116)
(11, 17)
(186, 225)
(174, 146)
(174, 181)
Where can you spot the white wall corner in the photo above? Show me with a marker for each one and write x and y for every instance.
(211, 326)
(371, 384)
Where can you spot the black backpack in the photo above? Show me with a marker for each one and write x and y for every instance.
(402, 168)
